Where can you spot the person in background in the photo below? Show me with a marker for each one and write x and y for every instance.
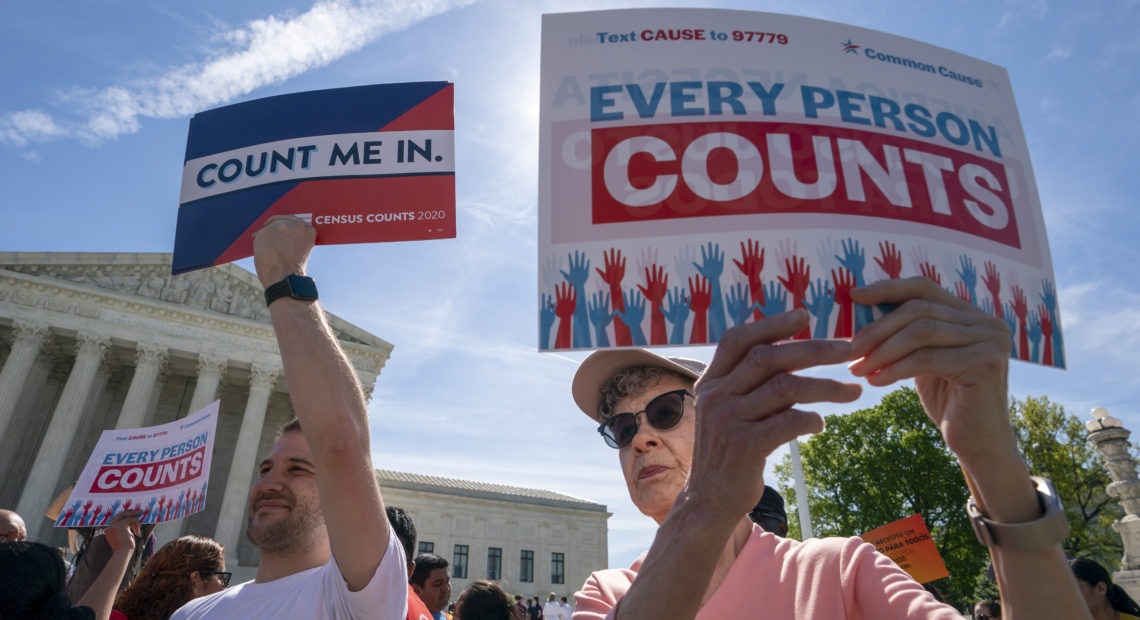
(534, 609)
(405, 529)
(181, 570)
(987, 610)
(12, 527)
(567, 611)
(431, 581)
(552, 610)
(34, 577)
(1105, 600)
(485, 600)
(769, 512)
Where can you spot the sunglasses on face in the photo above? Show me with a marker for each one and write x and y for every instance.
(223, 576)
(662, 413)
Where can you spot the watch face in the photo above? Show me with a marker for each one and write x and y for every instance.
(302, 287)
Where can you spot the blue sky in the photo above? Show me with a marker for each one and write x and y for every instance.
(97, 97)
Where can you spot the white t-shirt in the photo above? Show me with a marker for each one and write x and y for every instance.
(312, 594)
(553, 611)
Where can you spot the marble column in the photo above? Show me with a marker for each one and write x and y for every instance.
(230, 517)
(28, 339)
(149, 360)
(43, 481)
(211, 371)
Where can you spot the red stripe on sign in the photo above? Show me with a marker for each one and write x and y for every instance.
(653, 172)
(149, 476)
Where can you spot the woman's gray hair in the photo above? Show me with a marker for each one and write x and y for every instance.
(633, 381)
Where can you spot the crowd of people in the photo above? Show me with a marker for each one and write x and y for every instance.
(691, 442)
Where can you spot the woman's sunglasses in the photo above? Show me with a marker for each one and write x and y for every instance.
(223, 576)
(663, 412)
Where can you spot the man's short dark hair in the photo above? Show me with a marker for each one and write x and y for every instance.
(425, 564)
(404, 528)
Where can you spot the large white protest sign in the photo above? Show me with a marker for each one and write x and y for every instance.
(161, 470)
(704, 168)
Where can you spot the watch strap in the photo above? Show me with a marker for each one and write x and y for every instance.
(287, 287)
(1051, 528)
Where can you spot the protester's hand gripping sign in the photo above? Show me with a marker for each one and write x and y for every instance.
(705, 168)
(362, 164)
(162, 471)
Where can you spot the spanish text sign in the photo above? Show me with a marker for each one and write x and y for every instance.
(161, 470)
(701, 169)
(907, 543)
(361, 164)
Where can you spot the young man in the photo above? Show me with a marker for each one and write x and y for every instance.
(315, 511)
(431, 581)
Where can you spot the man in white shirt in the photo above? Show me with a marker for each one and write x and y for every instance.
(327, 550)
(552, 610)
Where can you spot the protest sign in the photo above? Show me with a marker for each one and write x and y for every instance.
(700, 169)
(361, 164)
(907, 543)
(161, 470)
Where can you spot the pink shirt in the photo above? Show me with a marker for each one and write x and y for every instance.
(777, 577)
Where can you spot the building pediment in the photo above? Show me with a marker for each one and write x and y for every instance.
(223, 290)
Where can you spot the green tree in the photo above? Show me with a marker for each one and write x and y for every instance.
(1055, 445)
(878, 465)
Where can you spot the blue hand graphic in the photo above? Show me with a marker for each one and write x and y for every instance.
(600, 316)
(546, 318)
(579, 273)
(820, 302)
(775, 299)
(711, 267)
(968, 274)
(676, 311)
(633, 314)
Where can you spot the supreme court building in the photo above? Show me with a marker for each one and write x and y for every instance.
(95, 341)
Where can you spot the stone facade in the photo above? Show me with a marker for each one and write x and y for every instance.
(97, 341)
(484, 517)
(94, 341)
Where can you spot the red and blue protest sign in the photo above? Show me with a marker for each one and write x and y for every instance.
(361, 164)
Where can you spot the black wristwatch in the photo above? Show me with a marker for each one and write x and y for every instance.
(295, 286)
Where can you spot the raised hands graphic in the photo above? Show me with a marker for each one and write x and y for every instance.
(612, 275)
(711, 267)
(546, 317)
(1020, 309)
(890, 260)
(820, 302)
(677, 312)
(751, 264)
(968, 278)
(600, 317)
(699, 303)
(992, 282)
(654, 289)
(579, 272)
(564, 306)
(844, 282)
(1049, 299)
(633, 314)
(854, 261)
(798, 277)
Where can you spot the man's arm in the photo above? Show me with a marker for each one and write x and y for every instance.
(329, 404)
(959, 359)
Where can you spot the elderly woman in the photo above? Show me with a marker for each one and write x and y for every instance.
(692, 443)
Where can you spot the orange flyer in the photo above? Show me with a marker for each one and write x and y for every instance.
(907, 543)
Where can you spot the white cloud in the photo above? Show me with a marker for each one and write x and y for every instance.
(1060, 52)
(263, 52)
